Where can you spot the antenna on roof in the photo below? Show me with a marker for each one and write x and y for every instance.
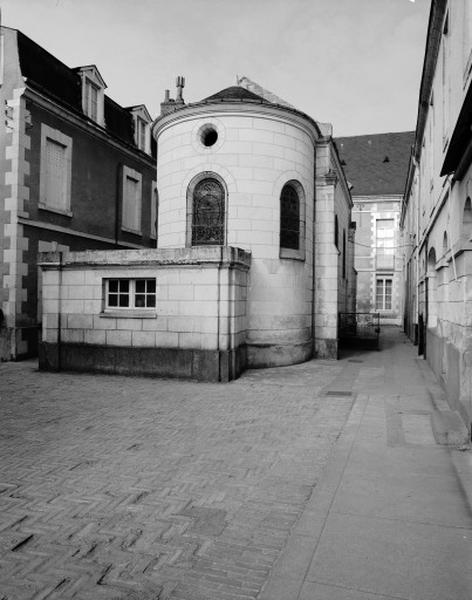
(180, 83)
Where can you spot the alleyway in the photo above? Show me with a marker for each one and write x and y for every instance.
(342, 480)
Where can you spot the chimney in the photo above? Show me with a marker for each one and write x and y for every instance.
(169, 104)
(180, 83)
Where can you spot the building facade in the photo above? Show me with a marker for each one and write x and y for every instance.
(77, 171)
(437, 209)
(246, 270)
(376, 166)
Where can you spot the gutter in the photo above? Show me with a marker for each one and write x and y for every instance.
(433, 42)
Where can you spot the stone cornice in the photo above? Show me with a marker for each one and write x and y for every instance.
(217, 109)
(149, 257)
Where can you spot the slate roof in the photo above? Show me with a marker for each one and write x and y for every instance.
(376, 164)
(235, 92)
(49, 75)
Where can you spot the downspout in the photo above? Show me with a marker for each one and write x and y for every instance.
(426, 300)
(59, 315)
(229, 344)
(119, 185)
(218, 312)
(313, 257)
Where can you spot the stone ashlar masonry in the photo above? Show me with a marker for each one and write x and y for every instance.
(197, 330)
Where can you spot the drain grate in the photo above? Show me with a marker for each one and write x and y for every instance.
(338, 393)
(355, 360)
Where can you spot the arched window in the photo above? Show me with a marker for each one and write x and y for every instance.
(336, 231)
(467, 220)
(432, 289)
(445, 243)
(289, 218)
(208, 213)
(431, 264)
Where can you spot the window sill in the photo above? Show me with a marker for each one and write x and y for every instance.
(129, 230)
(130, 313)
(59, 211)
(292, 254)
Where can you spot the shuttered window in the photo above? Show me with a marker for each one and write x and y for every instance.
(56, 174)
(131, 216)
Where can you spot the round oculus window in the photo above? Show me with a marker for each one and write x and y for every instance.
(208, 135)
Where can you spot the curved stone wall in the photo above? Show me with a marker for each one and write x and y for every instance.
(253, 150)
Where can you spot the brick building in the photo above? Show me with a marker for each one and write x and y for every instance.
(77, 171)
(376, 166)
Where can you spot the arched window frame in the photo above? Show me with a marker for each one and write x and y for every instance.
(466, 233)
(299, 253)
(431, 263)
(190, 205)
(445, 243)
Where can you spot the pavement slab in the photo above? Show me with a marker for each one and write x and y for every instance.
(130, 488)
(391, 517)
(347, 480)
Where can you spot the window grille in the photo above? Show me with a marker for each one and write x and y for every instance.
(289, 218)
(208, 213)
(130, 293)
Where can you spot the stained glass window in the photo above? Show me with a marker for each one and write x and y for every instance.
(289, 218)
(208, 215)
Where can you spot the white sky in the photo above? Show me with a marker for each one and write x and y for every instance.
(354, 63)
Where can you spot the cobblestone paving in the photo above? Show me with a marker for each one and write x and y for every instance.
(128, 488)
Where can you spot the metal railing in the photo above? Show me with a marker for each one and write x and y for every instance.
(359, 329)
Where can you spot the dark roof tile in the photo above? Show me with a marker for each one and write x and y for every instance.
(376, 164)
(55, 79)
(235, 92)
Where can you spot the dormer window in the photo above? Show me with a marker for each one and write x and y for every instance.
(140, 133)
(93, 92)
(142, 127)
(91, 100)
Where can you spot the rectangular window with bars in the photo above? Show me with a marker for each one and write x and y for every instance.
(383, 293)
(130, 294)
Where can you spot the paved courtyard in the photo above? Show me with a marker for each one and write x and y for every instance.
(129, 488)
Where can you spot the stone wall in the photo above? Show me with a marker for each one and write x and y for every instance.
(259, 149)
(197, 329)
